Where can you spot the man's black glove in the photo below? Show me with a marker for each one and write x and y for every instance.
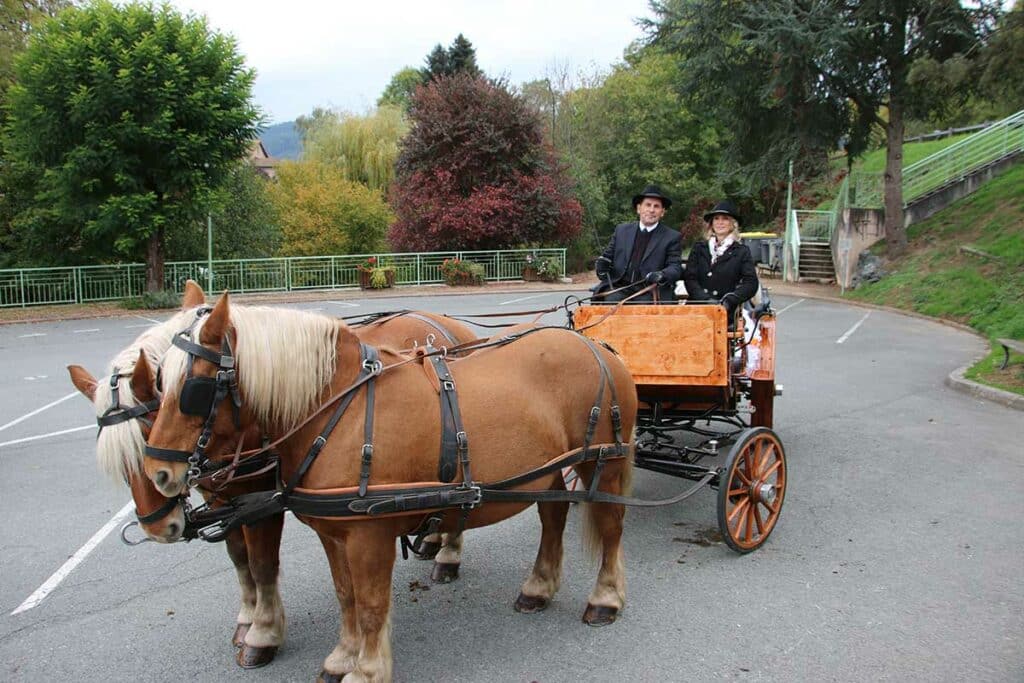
(602, 266)
(655, 278)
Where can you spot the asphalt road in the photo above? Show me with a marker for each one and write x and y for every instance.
(898, 555)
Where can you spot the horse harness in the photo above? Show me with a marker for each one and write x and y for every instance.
(466, 495)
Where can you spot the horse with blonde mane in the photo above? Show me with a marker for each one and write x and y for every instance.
(125, 407)
(515, 407)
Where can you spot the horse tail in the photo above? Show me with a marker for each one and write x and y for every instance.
(591, 532)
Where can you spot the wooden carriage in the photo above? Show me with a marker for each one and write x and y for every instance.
(694, 376)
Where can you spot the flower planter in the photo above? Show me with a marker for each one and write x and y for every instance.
(530, 274)
(365, 277)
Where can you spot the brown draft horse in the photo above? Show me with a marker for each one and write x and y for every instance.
(523, 404)
(254, 550)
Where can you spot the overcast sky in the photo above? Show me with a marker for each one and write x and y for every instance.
(310, 53)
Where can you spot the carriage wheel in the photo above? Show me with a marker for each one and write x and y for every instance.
(751, 489)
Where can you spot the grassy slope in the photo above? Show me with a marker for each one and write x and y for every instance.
(936, 279)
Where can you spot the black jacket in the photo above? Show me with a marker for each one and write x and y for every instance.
(664, 253)
(732, 272)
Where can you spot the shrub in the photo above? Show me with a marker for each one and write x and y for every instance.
(457, 272)
(164, 298)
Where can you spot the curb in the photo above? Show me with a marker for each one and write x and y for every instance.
(956, 380)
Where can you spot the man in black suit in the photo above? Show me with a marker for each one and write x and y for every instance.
(644, 251)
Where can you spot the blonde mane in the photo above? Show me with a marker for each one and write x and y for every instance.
(120, 447)
(284, 358)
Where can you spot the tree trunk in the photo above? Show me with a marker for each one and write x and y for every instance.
(895, 232)
(155, 261)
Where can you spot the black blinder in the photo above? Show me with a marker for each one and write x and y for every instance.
(198, 395)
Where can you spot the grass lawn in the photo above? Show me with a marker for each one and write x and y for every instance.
(937, 279)
(874, 162)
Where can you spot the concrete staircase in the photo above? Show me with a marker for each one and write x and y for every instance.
(816, 262)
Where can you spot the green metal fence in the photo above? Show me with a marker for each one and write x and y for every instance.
(82, 284)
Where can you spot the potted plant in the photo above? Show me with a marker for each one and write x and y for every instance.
(373, 275)
(458, 272)
(530, 268)
(549, 268)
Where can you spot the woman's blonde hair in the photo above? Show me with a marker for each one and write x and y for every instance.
(735, 233)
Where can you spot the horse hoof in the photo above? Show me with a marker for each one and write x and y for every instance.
(444, 572)
(600, 615)
(326, 677)
(528, 604)
(250, 657)
(428, 550)
(238, 640)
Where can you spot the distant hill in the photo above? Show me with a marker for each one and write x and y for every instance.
(282, 140)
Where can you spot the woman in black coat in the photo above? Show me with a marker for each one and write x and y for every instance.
(721, 269)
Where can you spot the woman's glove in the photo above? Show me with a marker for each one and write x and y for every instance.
(730, 301)
(602, 266)
(655, 278)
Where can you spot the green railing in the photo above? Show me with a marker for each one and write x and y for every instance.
(83, 284)
(962, 158)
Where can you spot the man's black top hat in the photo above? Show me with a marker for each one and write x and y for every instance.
(726, 207)
(652, 191)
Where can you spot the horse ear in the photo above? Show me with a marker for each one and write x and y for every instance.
(194, 295)
(142, 379)
(217, 322)
(83, 381)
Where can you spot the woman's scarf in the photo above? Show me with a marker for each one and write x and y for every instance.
(717, 249)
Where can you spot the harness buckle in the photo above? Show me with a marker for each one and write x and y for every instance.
(367, 453)
(595, 415)
(318, 443)
(204, 440)
(449, 385)
(478, 497)
(373, 367)
(462, 439)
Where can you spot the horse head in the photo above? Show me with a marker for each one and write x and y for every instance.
(126, 406)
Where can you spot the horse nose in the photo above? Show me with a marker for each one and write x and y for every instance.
(173, 531)
(165, 483)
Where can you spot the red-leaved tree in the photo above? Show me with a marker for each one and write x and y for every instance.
(473, 173)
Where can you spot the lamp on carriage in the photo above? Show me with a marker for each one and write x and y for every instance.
(209, 243)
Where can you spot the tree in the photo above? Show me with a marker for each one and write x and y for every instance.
(245, 224)
(363, 148)
(132, 115)
(400, 88)
(319, 115)
(322, 212)
(17, 19)
(785, 76)
(473, 173)
(460, 57)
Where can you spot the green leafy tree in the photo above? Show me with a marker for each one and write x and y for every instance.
(363, 148)
(784, 76)
(244, 220)
(320, 211)
(400, 89)
(304, 124)
(17, 19)
(131, 114)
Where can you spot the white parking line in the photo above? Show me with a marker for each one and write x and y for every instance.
(525, 298)
(95, 329)
(798, 301)
(38, 410)
(51, 583)
(853, 329)
(46, 436)
(34, 334)
(344, 303)
(142, 317)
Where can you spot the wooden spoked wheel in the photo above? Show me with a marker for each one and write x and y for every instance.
(751, 489)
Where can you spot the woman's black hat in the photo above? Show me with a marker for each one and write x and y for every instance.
(726, 207)
(652, 191)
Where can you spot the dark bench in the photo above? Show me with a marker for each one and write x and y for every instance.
(1010, 345)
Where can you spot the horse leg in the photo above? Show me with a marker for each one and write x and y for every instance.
(268, 621)
(448, 559)
(546, 577)
(371, 559)
(603, 526)
(345, 654)
(235, 544)
(431, 546)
